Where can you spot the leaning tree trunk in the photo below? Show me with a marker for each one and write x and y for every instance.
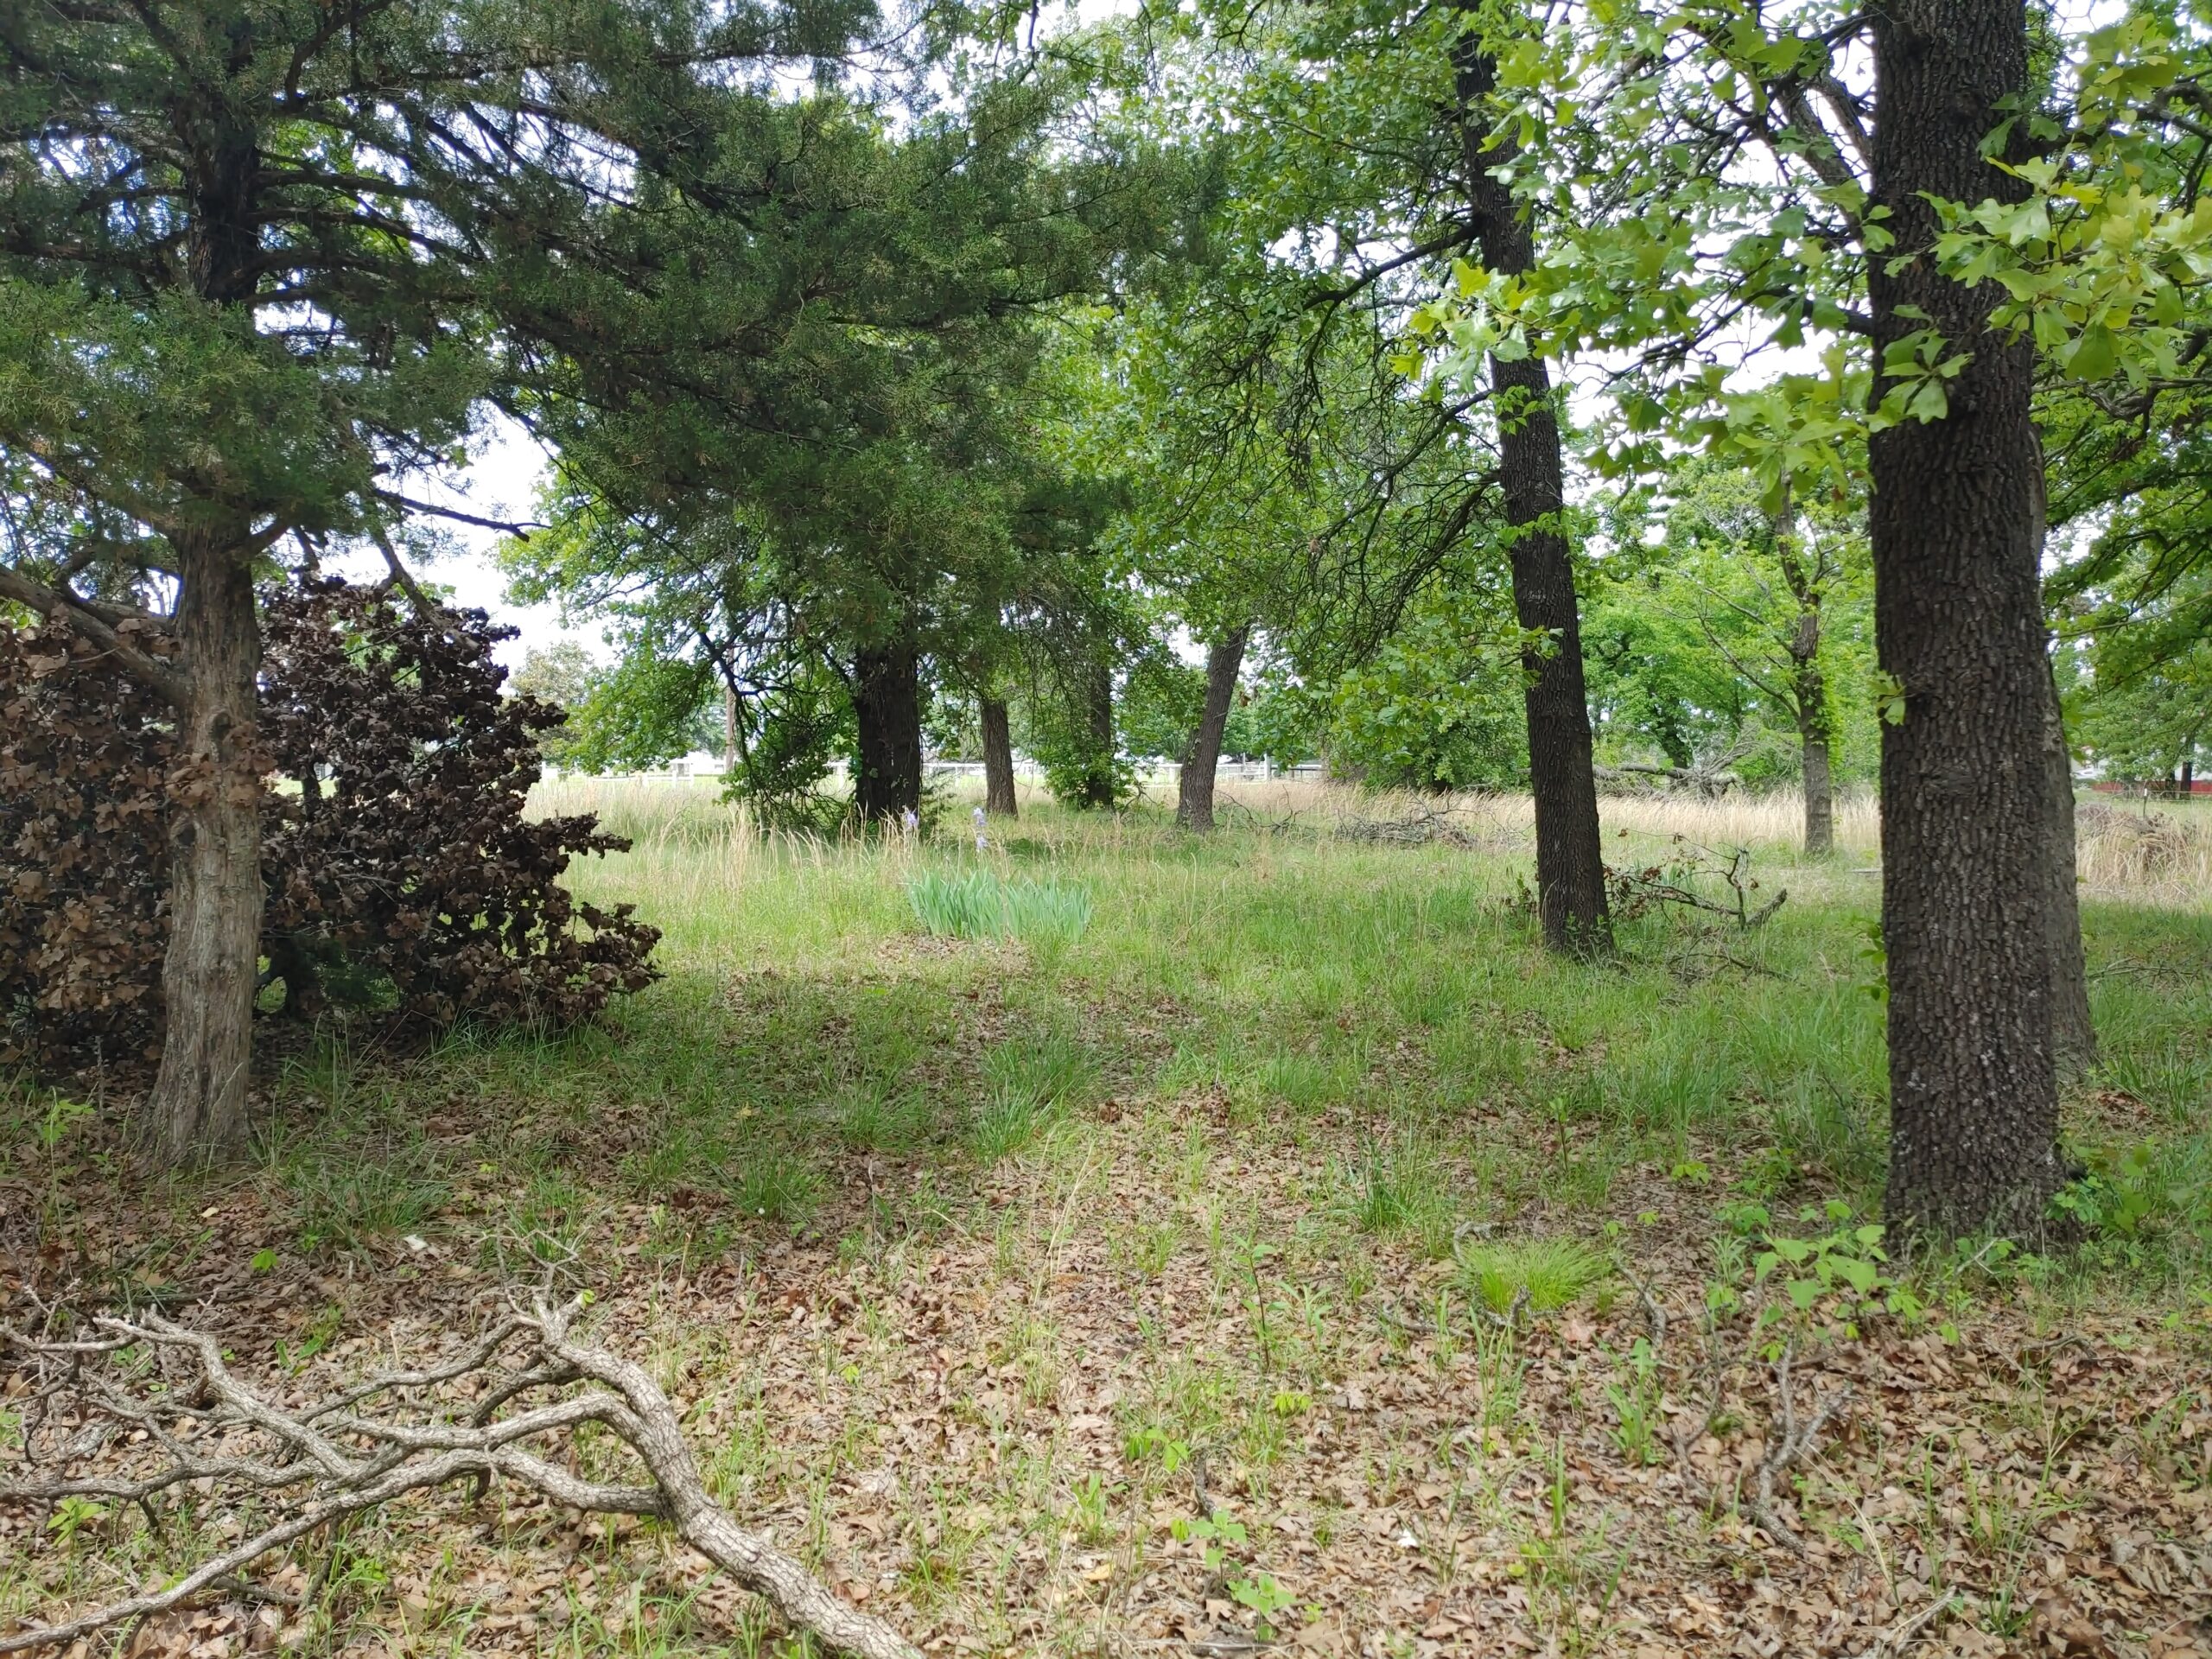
(209, 975)
(1098, 712)
(1570, 858)
(998, 762)
(1955, 523)
(1202, 756)
(887, 708)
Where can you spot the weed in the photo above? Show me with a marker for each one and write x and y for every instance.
(346, 1196)
(1398, 1186)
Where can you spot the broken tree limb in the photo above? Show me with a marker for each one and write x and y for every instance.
(385, 1438)
(1792, 1440)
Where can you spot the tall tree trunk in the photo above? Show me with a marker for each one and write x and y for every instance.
(210, 972)
(1808, 688)
(887, 706)
(998, 762)
(730, 731)
(212, 968)
(1808, 683)
(2072, 1034)
(1570, 857)
(1820, 794)
(1955, 522)
(1098, 710)
(1202, 755)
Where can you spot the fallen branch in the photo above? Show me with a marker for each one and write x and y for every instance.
(364, 1448)
(1792, 1443)
(1897, 1639)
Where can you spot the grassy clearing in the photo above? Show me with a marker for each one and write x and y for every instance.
(1277, 1250)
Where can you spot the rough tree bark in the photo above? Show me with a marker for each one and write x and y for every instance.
(887, 707)
(998, 762)
(1098, 710)
(1570, 858)
(210, 972)
(1202, 755)
(1820, 792)
(1809, 690)
(209, 975)
(1966, 889)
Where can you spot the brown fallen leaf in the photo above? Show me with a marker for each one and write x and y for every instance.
(2059, 1629)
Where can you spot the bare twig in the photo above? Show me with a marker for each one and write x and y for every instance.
(368, 1444)
(1655, 1317)
(1792, 1442)
(1897, 1639)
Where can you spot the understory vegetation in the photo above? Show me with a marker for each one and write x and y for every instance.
(1295, 1250)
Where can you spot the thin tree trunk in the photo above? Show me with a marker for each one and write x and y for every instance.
(2072, 1034)
(1955, 522)
(1099, 709)
(887, 707)
(998, 762)
(1570, 857)
(730, 731)
(1202, 755)
(1820, 796)
(210, 972)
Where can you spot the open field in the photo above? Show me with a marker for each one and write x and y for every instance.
(1289, 1250)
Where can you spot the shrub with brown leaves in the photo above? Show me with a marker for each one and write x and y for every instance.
(401, 871)
(84, 757)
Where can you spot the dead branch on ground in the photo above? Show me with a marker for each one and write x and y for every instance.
(1795, 1440)
(165, 1390)
(1792, 1438)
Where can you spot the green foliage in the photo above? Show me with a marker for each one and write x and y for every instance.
(1841, 1274)
(1399, 1185)
(1437, 706)
(2133, 1192)
(979, 904)
(1008, 1120)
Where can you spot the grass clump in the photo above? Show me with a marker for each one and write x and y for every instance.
(776, 1187)
(1008, 1121)
(1555, 1271)
(345, 1197)
(1401, 1186)
(980, 906)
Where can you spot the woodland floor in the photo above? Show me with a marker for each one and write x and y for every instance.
(1300, 1196)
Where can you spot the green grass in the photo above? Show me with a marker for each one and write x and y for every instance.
(1249, 1116)
(1550, 1273)
(1305, 981)
(979, 905)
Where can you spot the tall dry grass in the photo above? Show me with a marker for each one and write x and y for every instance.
(2156, 853)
